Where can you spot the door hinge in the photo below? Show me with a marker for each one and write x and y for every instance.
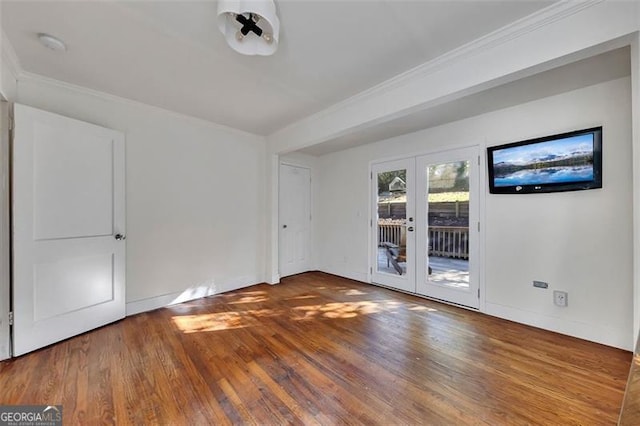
(478, 293)
(370, 223)
(371, 270)
(10, 318)
(11, 123)
(478, 226)
(478, 160)
(371, 176)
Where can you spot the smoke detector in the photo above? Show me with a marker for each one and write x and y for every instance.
(51, 42)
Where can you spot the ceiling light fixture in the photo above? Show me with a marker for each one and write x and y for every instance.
(51, 42)
(251, 27)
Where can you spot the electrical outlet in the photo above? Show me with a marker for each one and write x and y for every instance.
(560, 298)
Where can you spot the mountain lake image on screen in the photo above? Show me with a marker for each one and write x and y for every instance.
(566, 162)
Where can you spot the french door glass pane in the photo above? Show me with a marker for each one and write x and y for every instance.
(448, 224)
(392, 222)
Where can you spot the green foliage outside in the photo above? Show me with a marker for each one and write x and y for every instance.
(385, 178)
(449, 177)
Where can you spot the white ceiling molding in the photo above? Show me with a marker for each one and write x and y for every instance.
(536, 20)
(26, 77)
(576, 74)
(614, 19)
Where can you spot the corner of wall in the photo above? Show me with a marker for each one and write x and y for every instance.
(272, 275)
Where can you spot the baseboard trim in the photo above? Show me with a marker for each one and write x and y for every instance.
(356, 276)
(191, 293)
(275, 279)
(592, 332)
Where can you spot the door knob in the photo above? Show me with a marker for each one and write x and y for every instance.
(284, 226)
(119, 237)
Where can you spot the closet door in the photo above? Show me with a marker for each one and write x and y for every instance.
(295, 220)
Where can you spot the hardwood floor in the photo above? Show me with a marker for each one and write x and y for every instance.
(319, 349)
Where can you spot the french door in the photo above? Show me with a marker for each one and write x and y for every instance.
(447, 215)
(426, 235)
(393, 225)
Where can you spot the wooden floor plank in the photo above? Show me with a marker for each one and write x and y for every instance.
(319, 349)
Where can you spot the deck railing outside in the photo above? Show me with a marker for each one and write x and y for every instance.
(444, 241)
(449, 241)
(391, 232)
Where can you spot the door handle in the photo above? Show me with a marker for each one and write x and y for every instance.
(410, 229)
(284, 226)
(120, 237)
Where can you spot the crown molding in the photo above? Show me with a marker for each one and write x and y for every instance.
(26, 76)
(8, 55)
(553, 13)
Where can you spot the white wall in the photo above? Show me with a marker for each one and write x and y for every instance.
(8, 82)
(580, 242)
(195, 195)
(8, 67)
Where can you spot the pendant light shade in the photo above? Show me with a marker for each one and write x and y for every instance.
(251, 27)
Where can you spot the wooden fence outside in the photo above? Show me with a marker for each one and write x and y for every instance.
(441, 209)
(444, 241)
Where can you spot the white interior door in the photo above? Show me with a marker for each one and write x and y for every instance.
(393, 224)
(295, 220)
(447, 216)
(68, 228)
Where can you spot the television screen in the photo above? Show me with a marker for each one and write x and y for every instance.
(565, 162)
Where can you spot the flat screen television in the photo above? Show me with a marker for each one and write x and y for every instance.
(564, 162)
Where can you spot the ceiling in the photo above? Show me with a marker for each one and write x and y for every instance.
(593, 70)
(170, 54)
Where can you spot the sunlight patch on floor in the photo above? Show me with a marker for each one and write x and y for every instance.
(221, 320)
(306, 296)
(256, 296)
(346, 309)
(252, 317)
(354, 292)
(422, 308)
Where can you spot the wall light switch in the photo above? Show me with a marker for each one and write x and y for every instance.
(540, 284)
